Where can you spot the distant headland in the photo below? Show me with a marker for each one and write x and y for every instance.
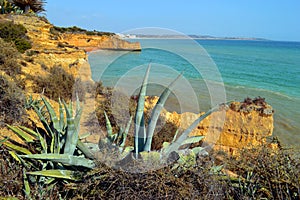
(199, 37)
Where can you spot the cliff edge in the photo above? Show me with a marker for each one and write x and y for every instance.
(239, 125)
(68, 50)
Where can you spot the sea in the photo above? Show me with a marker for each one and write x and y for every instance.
(214, 71)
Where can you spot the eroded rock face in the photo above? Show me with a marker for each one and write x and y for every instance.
(239, 125)
(46, 51)
(90, 43)
(63, 49)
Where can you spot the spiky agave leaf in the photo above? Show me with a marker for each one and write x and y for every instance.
(191, 140)
(72, 131)
(140, 135)
(61, 117)
(63, 159)
(29, 131)
(21, 134)
(125, 133)
(56, 126)
(52, 114)
(110, 134)
(156, 112)
(43, 142)
(37, 136)
(3, 140)
(15, 156)
(46, 126)
(26, 185)
(57, 173)
(82, 147)
(78, 113)
(17, 148)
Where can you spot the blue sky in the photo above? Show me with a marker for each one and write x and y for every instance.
(271, 19)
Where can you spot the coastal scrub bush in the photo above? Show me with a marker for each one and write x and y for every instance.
(74, 29)
(15, 33)
(22, 44)
(265, 173)
(11, 175)
(8, 59)
(58, 84)
(12, 101)
(105, 105)
(99, 33)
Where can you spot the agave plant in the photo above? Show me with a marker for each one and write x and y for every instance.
(115, 139)
(55, 152)
(143, 136)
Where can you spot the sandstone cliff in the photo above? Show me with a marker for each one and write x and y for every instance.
(46, 52)
(63, 49)
(246, 124)
(90, 43)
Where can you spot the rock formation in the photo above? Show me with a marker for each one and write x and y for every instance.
(246, 124)
(63, 49)
(90, 43)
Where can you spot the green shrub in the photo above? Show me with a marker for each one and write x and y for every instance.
(8, 59)
(16, 33)
(12, 101)
(265, 173)
(59, 84)
(11, 175)
(22, 44)
(74, 29)
(10, 31)
(105, 105)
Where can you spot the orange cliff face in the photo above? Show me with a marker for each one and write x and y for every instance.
(46, 51)
(52, 48)
(90, 43)
(241, 125)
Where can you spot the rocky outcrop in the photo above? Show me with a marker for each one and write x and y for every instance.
(242, 124)
(90, 43)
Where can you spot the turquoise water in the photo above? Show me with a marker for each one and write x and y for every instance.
(269, 69)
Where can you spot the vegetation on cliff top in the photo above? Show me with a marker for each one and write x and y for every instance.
(12, 96)
(75, 29)
(58, 84)
(15, 33)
